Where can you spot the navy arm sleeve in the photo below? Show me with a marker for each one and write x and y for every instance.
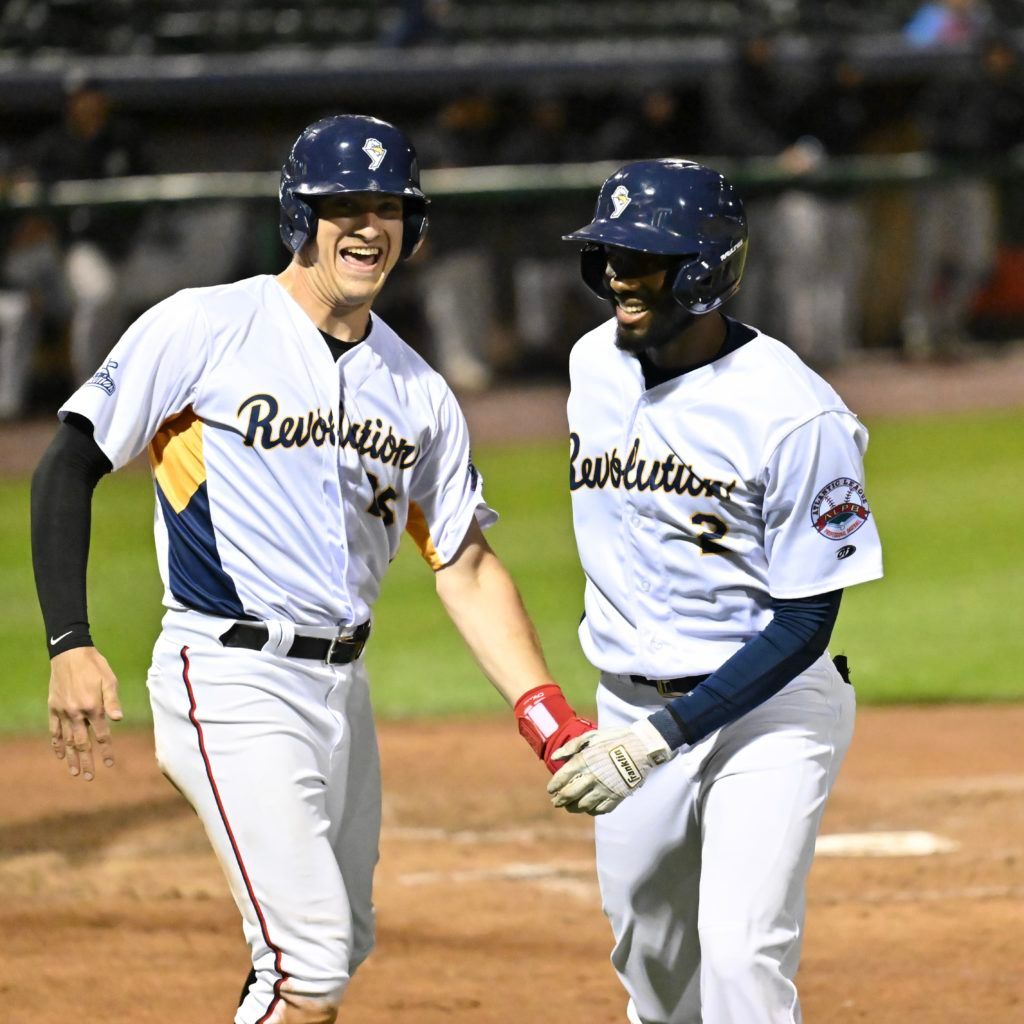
(62, 488)
(795, 638)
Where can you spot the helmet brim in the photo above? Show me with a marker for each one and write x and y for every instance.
(349, 182)
(631, 235)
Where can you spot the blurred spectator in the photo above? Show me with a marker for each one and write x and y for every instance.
(545, 281)
(968, 121)
(804, 280)
(66, 266)
(648, 127)
(748, 103)
(455, 274)
(417, 21)
(97, 265)
(947, 23)
(823, 230)
(19, 327)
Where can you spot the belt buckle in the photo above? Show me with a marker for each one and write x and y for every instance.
(663, 687)
(335, 640)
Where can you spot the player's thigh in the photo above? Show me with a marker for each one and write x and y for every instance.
(763, 795)
(648, 848)
(353, 798)
(255, 768)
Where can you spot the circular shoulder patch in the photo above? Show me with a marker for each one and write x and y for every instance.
(839, 509)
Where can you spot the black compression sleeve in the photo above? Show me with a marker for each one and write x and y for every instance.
(62, 487)
(795, 638)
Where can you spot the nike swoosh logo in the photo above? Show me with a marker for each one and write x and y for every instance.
(56, 640)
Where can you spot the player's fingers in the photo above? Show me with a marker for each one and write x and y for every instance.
(574, 790)
(111, 700)
(68, 740)
(565, 774)
(104, 741)
(83, 745)
(56, 735)
(566, 750)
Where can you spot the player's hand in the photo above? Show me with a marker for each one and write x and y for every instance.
(83, 700)
(605, 766)
(547, 722)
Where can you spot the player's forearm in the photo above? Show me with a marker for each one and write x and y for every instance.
(485, 607)
(789, 644)
(62, 488)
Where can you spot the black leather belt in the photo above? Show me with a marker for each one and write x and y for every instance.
(672, 687)
(332, 650)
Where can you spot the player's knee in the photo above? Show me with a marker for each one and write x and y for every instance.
(731, 952)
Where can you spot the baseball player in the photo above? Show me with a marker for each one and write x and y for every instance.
(292, 437)
(719, 509)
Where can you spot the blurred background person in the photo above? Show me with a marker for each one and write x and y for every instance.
(821, 229)
(543, 129)
(66, 262)
(747, 110)
(19, 322)
(648, 125)
(95, 266)
(947, 23)
(969, 121)
(455, 285)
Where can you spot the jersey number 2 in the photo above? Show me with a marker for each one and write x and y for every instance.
(714, 531)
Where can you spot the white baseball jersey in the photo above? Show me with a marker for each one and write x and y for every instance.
(262, 448)
(697, 501)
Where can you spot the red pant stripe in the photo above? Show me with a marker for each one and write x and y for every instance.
(192, 717)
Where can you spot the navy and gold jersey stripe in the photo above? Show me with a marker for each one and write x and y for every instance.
(196, 576)
(417, 528)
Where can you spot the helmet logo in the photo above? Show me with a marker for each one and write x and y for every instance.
(620, 200)
(374, 149)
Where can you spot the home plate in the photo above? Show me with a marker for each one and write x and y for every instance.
(883, 844)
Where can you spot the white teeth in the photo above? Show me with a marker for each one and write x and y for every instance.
(365, 250)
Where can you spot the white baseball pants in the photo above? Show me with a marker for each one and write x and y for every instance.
(703, 870)
(279, 758)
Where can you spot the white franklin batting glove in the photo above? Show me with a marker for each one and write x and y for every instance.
(605, 766)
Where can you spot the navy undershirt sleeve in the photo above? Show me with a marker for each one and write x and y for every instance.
(62, 487)
(795, 638)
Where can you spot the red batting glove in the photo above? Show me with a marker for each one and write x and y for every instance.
(547, 722)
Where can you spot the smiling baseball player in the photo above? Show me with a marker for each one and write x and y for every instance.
(293, 437)
(719, 509)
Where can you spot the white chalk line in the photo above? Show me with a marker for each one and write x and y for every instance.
(490, 836)
(883, 844)
(846, 844)
(512, 872)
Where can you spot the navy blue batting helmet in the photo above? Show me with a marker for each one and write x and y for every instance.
(350, 153)
(676, 208)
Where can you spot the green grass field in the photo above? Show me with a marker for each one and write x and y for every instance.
(945, 624)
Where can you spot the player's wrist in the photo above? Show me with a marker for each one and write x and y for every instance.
(655, 745)
(546, 720)
(67, 641)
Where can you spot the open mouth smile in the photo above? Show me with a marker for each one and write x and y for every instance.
(362, 257)
(630, 310)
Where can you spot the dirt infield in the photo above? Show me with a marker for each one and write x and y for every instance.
(113, 910)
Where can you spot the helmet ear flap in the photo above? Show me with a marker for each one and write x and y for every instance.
(701, 286)
(414, 228)
(298, 221)
(593, 261)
